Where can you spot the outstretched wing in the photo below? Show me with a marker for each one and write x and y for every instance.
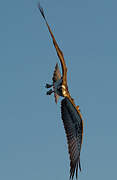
(73, 125)
(59, 52)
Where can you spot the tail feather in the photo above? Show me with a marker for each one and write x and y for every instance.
(56, 77)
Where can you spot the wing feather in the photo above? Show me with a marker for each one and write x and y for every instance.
(73, 127)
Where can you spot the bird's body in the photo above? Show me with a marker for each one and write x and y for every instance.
(70, 113)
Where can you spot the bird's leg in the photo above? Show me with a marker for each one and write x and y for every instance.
(49, 92)
(48, 85)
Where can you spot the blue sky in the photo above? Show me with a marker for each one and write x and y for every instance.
(32, 138)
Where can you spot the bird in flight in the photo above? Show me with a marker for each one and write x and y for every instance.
(70, 113)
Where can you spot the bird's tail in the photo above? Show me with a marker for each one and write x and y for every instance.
(55, 78)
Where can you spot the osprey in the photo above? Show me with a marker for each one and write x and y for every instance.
(70, 113)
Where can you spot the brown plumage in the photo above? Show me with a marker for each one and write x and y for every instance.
(70, 113)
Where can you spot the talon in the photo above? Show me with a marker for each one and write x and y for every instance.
(49, 92)
(48, 85)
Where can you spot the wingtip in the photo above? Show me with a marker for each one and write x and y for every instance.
(41, 10)
(80, 165)
(72, 171)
